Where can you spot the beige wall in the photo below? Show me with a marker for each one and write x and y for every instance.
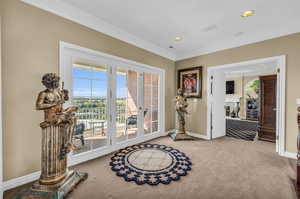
(31, 48)
(288, 45)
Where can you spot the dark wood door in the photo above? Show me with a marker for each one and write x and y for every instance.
(267, 115)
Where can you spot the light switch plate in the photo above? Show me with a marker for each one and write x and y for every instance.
(298, 101)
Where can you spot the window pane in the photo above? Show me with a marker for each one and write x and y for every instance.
(99, 89)
(155, 79)
(90, 72)
(154, 114)
(126, 107)
(147, 102)
(82, 72)
(154, 126)
(82, 88)
(154, 101)
(90, 95)
(151, 97)
(132, 104)
(99, 73)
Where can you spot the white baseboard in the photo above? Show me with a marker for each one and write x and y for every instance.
(289, 155)
(285, 154)
(15, 182)
(80, 158)
(198, 135)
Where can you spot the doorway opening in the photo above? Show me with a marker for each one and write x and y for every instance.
(246, 101)
(242, 105)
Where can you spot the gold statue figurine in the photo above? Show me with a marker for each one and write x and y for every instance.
(51, 100)
(56, 181)
(181, 105)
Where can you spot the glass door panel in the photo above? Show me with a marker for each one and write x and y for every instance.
(126, 104)
(155, 102)
(90, 95)
(135, 108)
(151, 102)
(147, 103)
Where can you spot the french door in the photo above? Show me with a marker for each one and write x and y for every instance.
(127, 107)
(120, 103)
(90, 85)
(136, 104)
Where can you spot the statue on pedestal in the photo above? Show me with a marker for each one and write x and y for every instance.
(56, 181)
(181, 105)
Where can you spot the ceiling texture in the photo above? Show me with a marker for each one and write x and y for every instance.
(260, 69)
(205, 25)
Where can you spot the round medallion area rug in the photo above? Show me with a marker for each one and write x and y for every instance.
(150, 164)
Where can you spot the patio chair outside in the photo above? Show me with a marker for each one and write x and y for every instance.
(78, 132)
(132, 120)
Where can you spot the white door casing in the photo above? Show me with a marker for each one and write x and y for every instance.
(217, 104)
(280, 67)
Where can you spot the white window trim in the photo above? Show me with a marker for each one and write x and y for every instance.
(69, 53)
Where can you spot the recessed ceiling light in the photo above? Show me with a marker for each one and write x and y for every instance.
(248, 13)
(178, 38)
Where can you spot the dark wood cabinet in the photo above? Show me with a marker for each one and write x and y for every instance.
(267, 114)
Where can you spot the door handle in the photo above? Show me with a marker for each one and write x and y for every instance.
(274, 109)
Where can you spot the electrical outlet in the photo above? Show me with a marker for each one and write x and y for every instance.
(298, 101)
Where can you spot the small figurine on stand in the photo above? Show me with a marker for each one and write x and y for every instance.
(56, 181)
(181, 105)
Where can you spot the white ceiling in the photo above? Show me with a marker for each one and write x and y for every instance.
(205, 25)
(260, 69)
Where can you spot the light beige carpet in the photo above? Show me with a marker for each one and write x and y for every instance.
(224, 168)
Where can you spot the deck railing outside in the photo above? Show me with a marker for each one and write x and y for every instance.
(92, 112)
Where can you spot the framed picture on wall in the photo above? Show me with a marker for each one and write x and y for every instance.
(190, 81)
(229, 87)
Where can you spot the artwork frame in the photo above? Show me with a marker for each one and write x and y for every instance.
(190, 81)
(230, 87)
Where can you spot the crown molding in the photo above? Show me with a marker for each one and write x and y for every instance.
(77, 15)
(219, 45)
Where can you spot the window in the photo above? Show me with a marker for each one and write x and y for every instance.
(90, 95)
(119, 100)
